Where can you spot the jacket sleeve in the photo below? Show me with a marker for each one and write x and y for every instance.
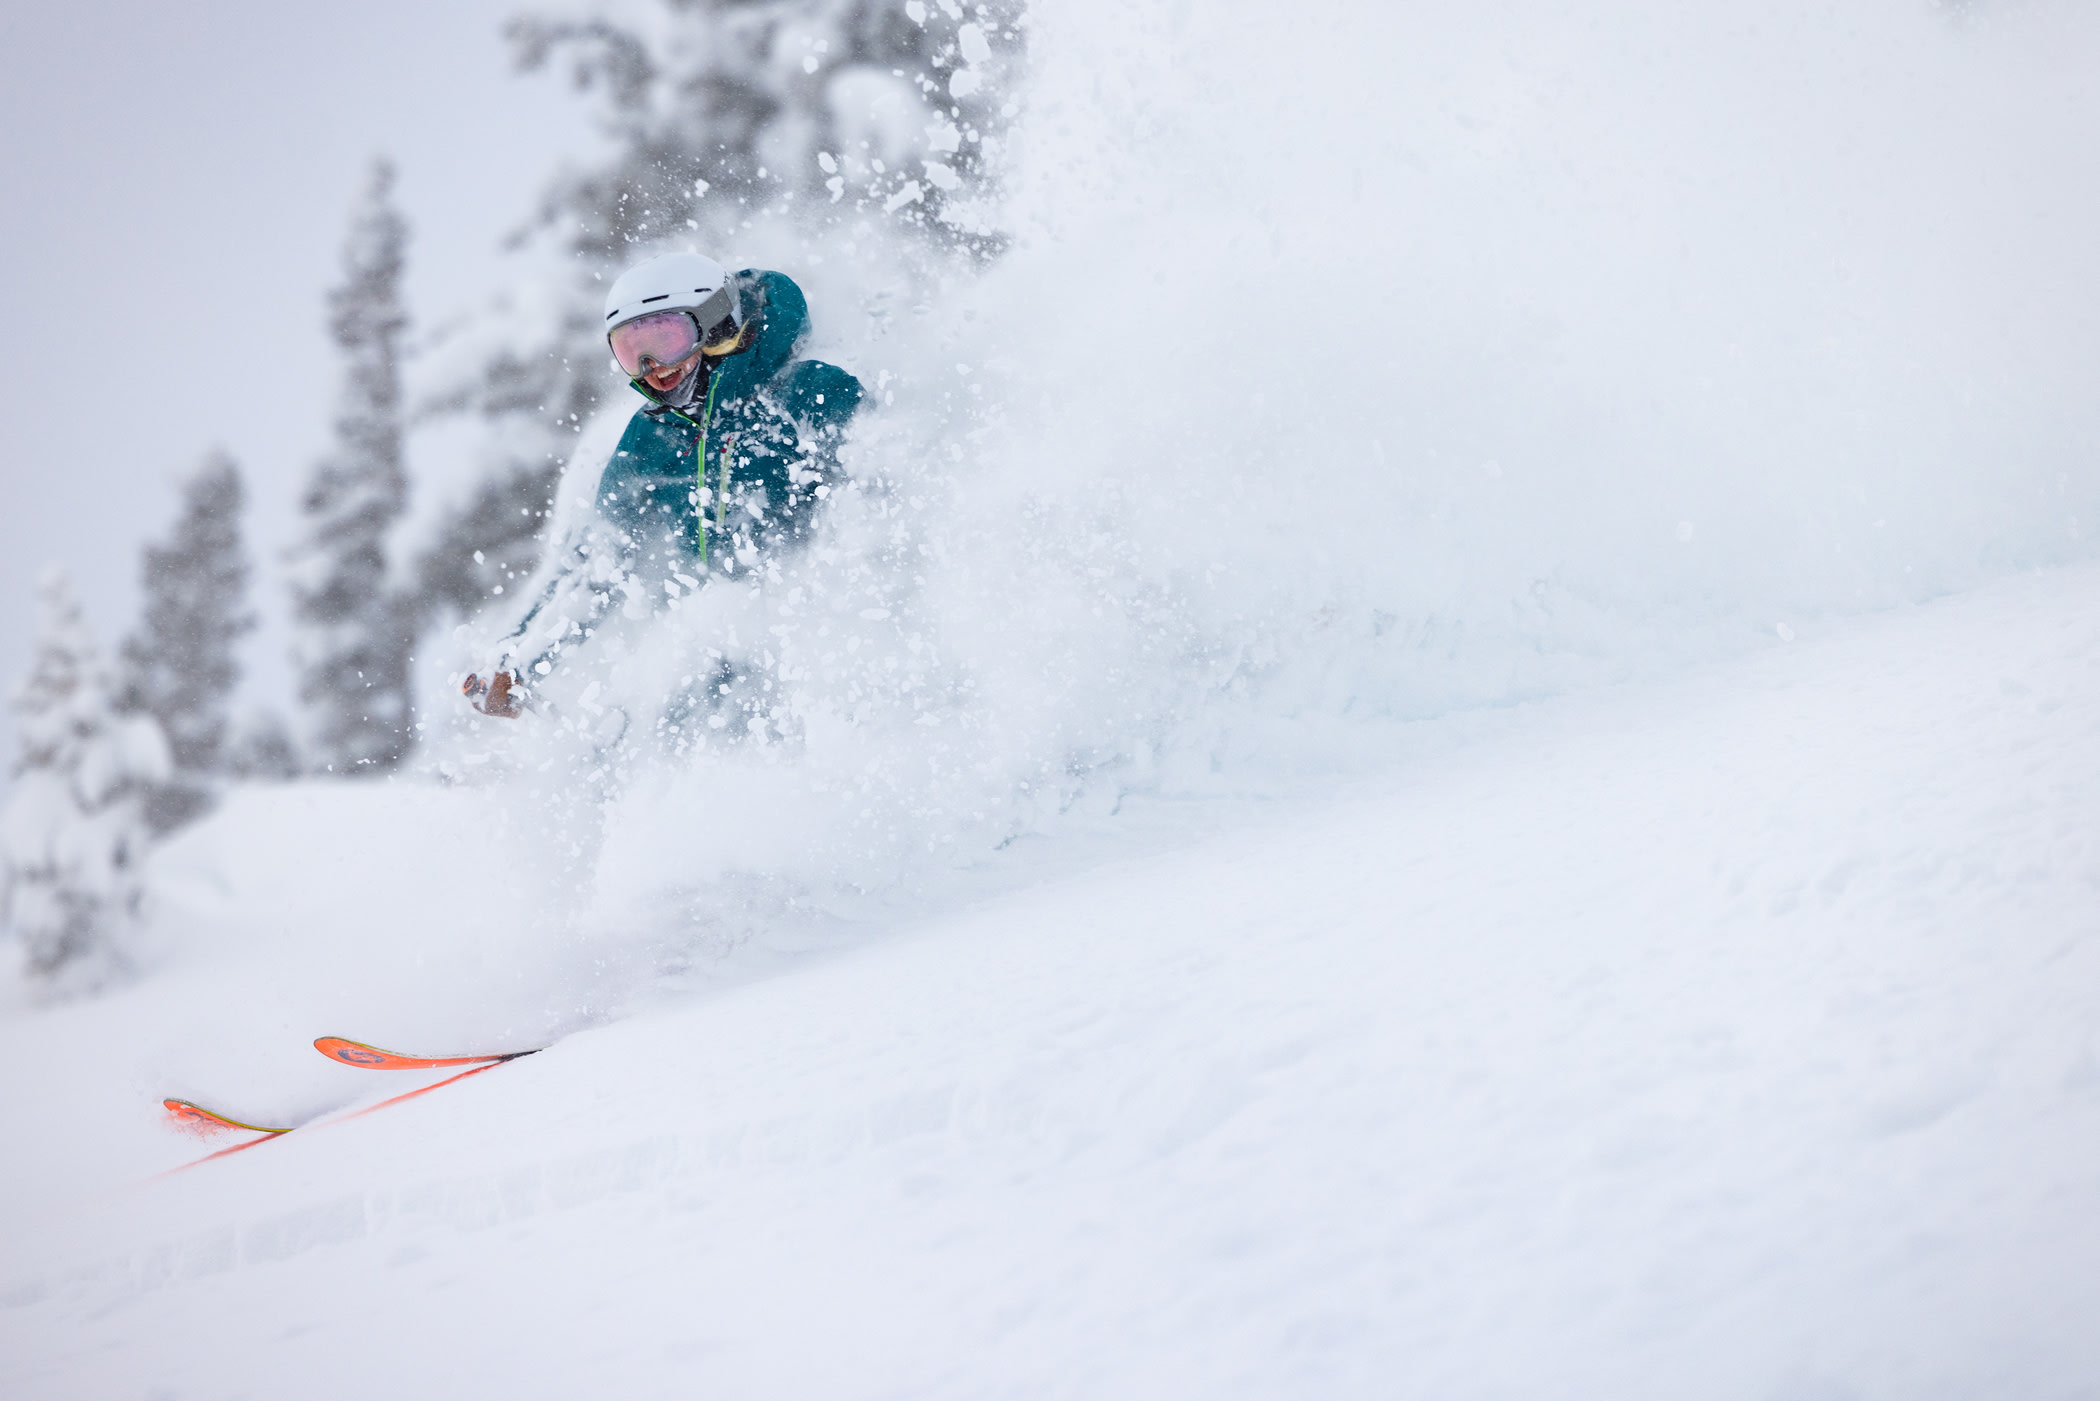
(594, 568)
(593, 576)
(820, 401)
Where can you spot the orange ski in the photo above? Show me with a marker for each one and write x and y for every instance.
(350, 1053)
(357, 1053)
(198, 1115)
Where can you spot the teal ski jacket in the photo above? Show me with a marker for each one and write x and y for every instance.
(736, 474)
(710, 489)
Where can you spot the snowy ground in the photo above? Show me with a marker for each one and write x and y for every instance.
(1733, 1037)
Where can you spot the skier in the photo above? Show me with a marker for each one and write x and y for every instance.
(722, 468)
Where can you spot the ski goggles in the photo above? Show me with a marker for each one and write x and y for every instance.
(670, 337)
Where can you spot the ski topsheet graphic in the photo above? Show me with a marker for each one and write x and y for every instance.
(348, 1052)
(365, 1057)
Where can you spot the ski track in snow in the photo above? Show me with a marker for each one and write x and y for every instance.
(1732, 1037)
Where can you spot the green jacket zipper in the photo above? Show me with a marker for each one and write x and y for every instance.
(707, 416)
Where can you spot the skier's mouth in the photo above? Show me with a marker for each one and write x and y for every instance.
(665, 378)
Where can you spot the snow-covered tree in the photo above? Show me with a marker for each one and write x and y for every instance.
(354, 632)
(73, 832)
(180, 666)
(720, 107)
(887, 112)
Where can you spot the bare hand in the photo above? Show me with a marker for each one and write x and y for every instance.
(492, 697)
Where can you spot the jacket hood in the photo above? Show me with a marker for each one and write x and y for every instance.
(777, 304)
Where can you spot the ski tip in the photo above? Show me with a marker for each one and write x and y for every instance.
(358, 1053)
(197, 1116)
(366, 1057)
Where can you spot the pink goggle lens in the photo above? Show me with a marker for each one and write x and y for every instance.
(666, 338)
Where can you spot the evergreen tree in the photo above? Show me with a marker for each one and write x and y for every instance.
(354, 632)
(73, 833)
(889, 112)
(180, 665)
(719, 107)
(262, 748)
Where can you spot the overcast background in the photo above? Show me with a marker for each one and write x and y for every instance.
(177, 181)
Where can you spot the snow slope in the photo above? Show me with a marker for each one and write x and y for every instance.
(1732, 1037)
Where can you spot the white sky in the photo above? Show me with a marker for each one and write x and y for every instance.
(176, 183)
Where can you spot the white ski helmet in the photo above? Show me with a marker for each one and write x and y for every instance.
(675, 282)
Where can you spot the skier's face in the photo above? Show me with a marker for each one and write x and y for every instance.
(658, 349)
